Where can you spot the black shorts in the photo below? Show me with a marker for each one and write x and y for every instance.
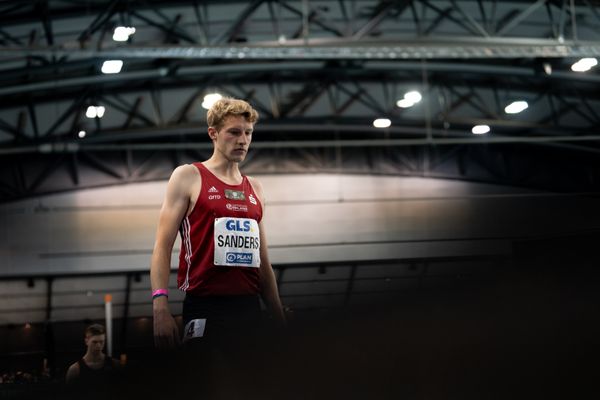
(226, 316)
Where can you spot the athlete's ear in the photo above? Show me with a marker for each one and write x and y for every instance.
(212, 133)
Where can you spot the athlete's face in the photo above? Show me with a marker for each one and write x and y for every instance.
(95, 343)
(234, 137)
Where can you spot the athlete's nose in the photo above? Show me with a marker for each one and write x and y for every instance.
(243, 139)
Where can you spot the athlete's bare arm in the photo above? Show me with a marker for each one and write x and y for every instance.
(268, 283)
(177, 202)
(72, 373)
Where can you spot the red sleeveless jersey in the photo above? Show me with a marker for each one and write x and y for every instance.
(236, 205)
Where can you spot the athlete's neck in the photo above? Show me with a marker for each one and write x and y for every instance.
(92, 358)
(227, 171)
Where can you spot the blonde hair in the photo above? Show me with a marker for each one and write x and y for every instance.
(229, 106)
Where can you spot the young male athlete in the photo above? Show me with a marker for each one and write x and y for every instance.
(94, 367)
(223, 265)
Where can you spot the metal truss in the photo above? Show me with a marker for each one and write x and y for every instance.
(270, 29)
(509, 164)
(319, 72)
(340, 49)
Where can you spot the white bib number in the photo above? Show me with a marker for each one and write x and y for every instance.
(237, 242)
(194, 329)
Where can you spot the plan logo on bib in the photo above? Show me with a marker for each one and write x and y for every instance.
(239, 258)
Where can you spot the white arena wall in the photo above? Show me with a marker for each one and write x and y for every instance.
(309, 218)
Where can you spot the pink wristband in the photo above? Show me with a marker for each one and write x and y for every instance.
(160, 292)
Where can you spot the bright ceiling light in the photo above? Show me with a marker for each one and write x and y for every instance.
(112, 66)
(583, 65)
(95, 112)
(405, 103)
(91, 112)
(81, 134)
(100, 111)
(210, 99)
(122, 33)
(413, 96)
(516, 107)
(480, 129)
(382, 123)
(410, 99)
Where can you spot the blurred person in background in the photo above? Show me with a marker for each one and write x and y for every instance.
(94, 366)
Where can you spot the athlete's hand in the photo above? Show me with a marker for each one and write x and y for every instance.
(166, 333)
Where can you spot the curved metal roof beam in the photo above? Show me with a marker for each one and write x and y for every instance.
(339, 48)
(291, 66)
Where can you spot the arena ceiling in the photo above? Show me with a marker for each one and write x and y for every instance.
(319, 72)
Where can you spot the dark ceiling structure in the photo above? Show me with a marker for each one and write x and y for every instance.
(319, 72)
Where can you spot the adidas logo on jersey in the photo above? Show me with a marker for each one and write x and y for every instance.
(213, 190)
